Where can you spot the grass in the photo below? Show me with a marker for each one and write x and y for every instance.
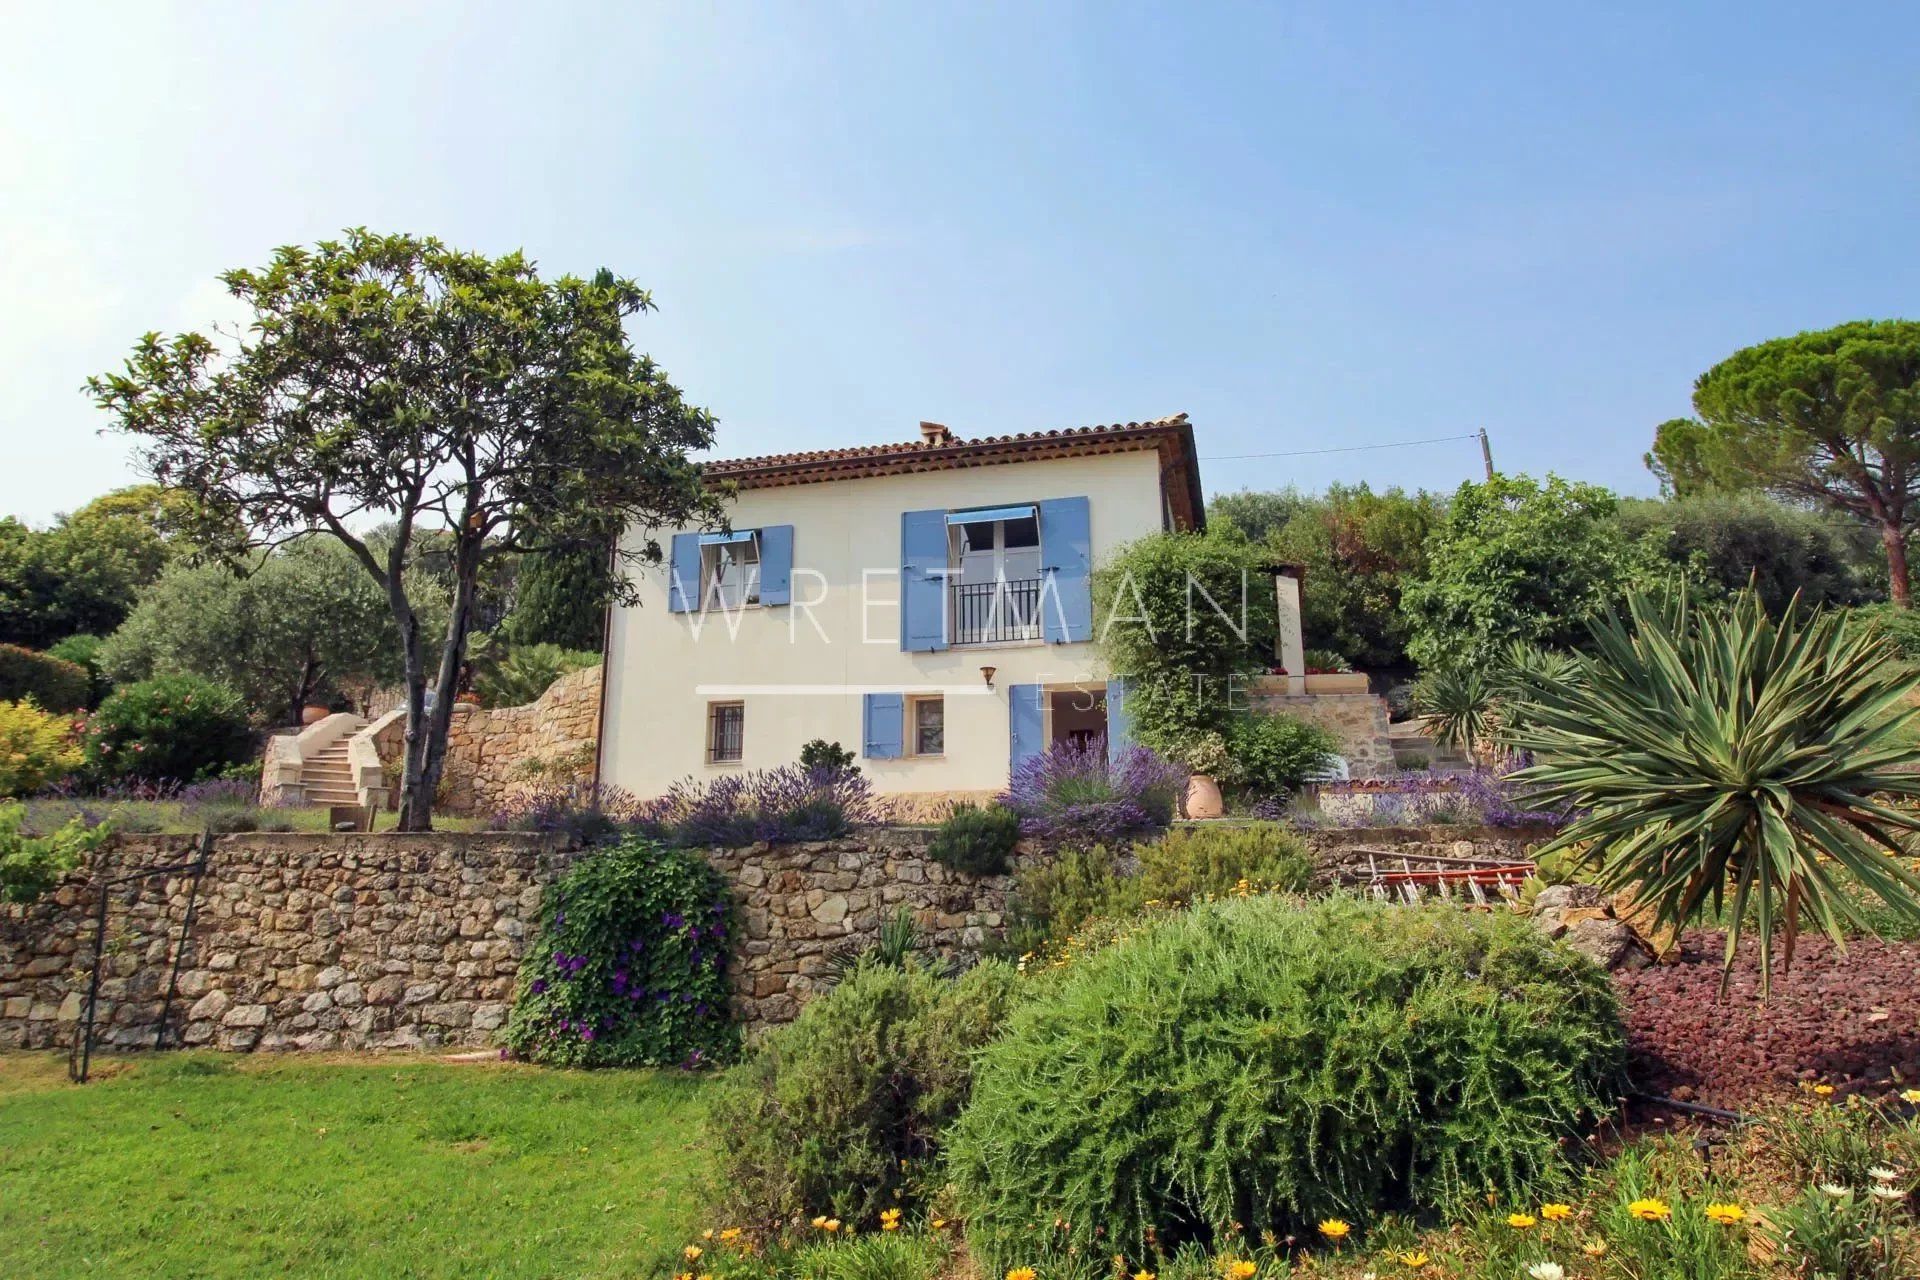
(208, 1165)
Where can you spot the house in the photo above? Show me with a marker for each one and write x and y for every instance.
(925, 604)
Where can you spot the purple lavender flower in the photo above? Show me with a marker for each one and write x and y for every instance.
(1075, 796)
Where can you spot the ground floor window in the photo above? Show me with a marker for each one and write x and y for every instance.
(929, 723)
(726, 731)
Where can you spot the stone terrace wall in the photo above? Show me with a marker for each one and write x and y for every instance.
(496, 753)
(1358, 720)
(802, 902)
(299, 942)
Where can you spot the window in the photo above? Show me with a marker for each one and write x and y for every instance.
(994, 575)
(929, 726)
(726, 731)
(730, 570)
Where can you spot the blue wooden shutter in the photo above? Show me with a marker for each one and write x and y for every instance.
(776, 564)
(1026, 722)
(923, 581)
(1119, 723)
(683, 573)
(884, 723)
(1066, 548)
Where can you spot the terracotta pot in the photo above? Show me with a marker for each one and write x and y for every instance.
(1203, 797)
(314, 715)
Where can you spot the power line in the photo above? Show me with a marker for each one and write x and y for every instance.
(1345, 448)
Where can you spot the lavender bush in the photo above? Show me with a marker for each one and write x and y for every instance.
(790, 803)
(1073, 797)
(586, 814)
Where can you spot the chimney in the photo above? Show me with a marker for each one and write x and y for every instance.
(933, 433)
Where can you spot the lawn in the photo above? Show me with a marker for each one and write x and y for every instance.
(209, 1165)
(137, 817)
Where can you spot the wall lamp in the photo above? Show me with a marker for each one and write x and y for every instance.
(986, 673)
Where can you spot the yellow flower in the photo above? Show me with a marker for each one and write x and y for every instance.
(1594, 1248)
(1021, 1273)
(831, 1224)
(1910, 1096)
(1725, 1214)
(889, 1219)
(1144, 1274)
(1555, 1212)
(692, 1251)
(939, 1223)
(1415, 1260)
(1650, 1210)
(684, 1275)
(1241, 1270)
(1334, 1229)
(1823, 1091)
(820, 1222)
(1521, 1221)
(730, 1234)
(707, 1234)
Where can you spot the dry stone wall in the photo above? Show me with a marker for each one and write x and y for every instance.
(1358, 720)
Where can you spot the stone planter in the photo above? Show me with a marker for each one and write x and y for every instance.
(1203, 797)
(314, 715)
(1338, 682)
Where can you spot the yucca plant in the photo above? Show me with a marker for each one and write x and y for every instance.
(1714, 750)
(1458, 702)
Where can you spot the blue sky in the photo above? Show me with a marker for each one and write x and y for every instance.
(1308, 226)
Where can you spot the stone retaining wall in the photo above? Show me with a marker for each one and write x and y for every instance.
(1358, 720)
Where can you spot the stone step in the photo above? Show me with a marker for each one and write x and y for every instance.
(315, 795)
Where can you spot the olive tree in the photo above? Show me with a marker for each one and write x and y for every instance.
(389, 379)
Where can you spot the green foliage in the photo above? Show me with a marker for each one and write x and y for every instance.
(976, 840)
(1358, 548)
(527, 670)
(1842, 1142)
(1257, 1064)
(84, 652)
(1684, 1244)
(30, 864)
(1459, 703)
(629, 968)
(37, 749)
(1898, 627)
(460, 393)
(1516, 559)
(1273, 754)
(1841, 1233)
(1830, 417)
(1177, 615)
(561, 598)
(54, 684)
(300, 625)
(1716, 749)
(1056, 899)
(821, 754)
(175, 728)
(843, 1110)
(83, 574)
(1724, 542)
(876, 1255)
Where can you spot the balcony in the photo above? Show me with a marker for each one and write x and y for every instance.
(1006, 611)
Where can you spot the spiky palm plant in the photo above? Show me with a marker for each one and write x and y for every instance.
(1458, 702)
(1716, 751)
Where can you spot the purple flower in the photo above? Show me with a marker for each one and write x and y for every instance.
(1074, 796)
(539, 987)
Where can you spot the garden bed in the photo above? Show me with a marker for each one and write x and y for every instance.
(1851, 1020)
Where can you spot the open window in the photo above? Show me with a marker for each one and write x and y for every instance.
(994, 574)
(730, 569)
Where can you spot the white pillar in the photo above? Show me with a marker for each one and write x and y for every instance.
(1289, 646)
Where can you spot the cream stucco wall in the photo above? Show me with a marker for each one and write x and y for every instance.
(801, 669)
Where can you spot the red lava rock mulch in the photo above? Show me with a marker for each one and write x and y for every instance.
(1846, 1019)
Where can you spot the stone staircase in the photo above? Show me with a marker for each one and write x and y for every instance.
(327, 777)
(1413, 743)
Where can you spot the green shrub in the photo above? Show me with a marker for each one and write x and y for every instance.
(1259, 1063)
(36, 749)
(876, 1255)
(976, 841)
(1898, 626)
(527, 671)
(842, 1111)
(174, 728)
(53, 683)
(818, 753)
(1053, 901)
(84, 651)
(1273, 755)
(629, 967)
(29, 864)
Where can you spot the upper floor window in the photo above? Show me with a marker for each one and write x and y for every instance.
(994, 575)
(730, 569)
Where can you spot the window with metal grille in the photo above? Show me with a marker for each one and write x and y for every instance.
(726, 731)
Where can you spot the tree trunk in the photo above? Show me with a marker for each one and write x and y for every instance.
(1894, 539)
(427, 732)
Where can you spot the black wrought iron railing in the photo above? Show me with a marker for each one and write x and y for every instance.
(995, 612)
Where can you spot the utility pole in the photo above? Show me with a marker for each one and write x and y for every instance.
(1486, 453)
